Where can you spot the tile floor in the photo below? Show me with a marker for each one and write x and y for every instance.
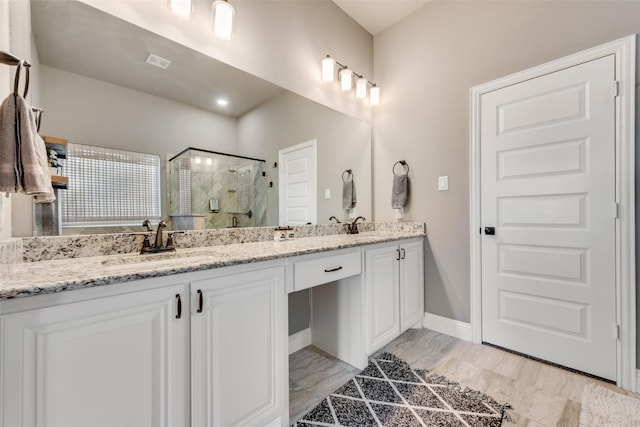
(541, 395)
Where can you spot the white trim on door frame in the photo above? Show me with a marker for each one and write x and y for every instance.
(625, 53)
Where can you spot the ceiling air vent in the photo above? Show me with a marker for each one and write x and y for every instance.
(158, 61)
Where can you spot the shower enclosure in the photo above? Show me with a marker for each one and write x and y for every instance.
(216, 190)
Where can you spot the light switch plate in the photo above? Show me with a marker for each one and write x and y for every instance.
(327, 193)
(443, 183)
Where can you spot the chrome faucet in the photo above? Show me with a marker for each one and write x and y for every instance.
(333, 217)
(353, 227)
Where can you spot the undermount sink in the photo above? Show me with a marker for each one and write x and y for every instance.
(154, 258)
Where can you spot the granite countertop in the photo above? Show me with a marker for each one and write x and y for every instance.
(43, 277)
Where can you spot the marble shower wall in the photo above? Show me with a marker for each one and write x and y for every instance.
(237, 184)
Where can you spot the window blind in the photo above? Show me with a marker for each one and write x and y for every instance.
(109, 187)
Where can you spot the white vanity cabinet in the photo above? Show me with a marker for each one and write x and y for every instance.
(239, 350)
(394, 288)
(110, 361)
(203, 349)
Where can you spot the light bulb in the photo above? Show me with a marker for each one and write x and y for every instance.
(328, 71)
(374, 95)
(222, 16)
(181, 8)
(345, 79)
(361, 88)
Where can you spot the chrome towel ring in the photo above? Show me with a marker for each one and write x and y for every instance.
(349, 173)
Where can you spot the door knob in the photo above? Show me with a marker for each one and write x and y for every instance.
(490, 231)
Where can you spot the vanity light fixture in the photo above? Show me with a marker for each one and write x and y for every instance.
(181, 8)
(361, 87)
(374, 95)
(328, 69)
(346, 77)
(222, 17)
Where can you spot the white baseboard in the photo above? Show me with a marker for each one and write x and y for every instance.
(299, 340)
(447, 326)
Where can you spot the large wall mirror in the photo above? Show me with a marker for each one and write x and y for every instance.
(93, 80)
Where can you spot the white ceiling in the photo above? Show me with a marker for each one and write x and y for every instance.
(75, 37)
(378, 15)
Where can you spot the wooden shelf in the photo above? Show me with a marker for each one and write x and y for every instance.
(58, 144)
(61, 182)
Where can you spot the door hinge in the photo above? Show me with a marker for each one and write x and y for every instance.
(616, 331)
(616, 210)
(616, 88)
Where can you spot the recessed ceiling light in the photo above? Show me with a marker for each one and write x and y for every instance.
(158, 61)
(222, 102)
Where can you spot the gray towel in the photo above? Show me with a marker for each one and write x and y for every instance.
(348, 194)
(10, 171)
(400, 191)
(23, 155)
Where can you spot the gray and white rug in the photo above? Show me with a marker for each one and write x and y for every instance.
(389, 393)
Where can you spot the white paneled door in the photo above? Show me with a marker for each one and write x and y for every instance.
(297, 193)
(548, 217)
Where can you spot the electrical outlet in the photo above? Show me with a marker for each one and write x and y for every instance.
(327, 193)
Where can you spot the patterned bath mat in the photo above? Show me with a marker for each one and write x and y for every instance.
(389, 393)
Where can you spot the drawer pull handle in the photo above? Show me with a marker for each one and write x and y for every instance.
(179, 313)
(200, 301)
(331, 270)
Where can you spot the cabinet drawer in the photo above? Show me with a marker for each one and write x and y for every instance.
(326, 269)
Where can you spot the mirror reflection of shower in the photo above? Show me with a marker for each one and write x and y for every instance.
(216, 190)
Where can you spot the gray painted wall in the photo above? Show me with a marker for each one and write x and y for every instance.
(426, 65)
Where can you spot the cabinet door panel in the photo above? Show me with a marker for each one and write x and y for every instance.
(240, 349)
(411, 284)
(382, 289)
(114, 361)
